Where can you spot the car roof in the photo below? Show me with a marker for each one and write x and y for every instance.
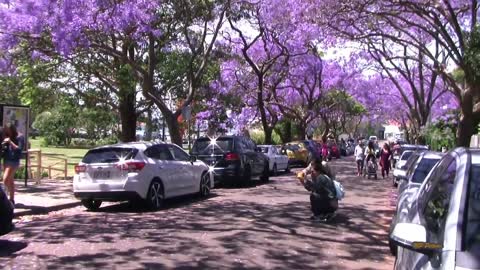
(137, 145)
(431, 155)
(414, 146)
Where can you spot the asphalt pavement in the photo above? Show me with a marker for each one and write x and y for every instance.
(263, 226)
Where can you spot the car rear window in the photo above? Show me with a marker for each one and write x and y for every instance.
(207, 146)
(423, 168)
(264, 149)
(292, 147)
(109, 155)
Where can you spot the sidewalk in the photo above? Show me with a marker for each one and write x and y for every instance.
(49, 195)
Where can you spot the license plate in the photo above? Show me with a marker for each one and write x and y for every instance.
(101, 175)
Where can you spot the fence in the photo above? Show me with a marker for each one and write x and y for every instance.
(46, 165)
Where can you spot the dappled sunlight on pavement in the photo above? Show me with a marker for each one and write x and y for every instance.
(264, 226)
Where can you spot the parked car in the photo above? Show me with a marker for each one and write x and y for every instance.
(152, 172)
(6, 213)
(276, 160)
(423, 162)
(298, 153)
(399, 148)
(234, 159)
(400, 170)
(441, 227)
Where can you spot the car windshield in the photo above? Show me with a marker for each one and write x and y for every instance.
(109, 155)
(207, 146)
(292, 147)
(423, 168)
(264, 149)
(406, 155)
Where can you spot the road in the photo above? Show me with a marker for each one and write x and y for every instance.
(265, 226)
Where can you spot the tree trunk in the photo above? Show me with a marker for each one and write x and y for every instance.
(301, 131)
(466, 125)
(128, 117)
(325, 133)
(173, 128)
(148, 126)
(268, 135)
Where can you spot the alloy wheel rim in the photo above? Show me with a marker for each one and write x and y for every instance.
(156, 194)
(205, 185)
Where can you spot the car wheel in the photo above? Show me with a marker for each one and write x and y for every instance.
(156, 195)
(287, 170)
(205, 185)
(265, 175)
(275, 170)
(394, 183)
(91, 204)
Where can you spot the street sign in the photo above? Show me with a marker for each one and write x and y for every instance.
(187, 113)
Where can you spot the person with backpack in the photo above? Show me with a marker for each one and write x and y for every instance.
(323, 193)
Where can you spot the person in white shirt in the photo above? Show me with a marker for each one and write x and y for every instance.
(359, 157)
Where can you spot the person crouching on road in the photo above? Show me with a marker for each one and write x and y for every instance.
(13, 144)
(359, 157)
(323, 198)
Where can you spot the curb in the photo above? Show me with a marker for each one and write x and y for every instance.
(40, 210)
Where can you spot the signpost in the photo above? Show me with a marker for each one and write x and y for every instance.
(187, 115)
(20, 117)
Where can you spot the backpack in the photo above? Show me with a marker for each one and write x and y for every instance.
(340, 191)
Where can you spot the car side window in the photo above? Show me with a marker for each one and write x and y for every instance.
(438, 201)
(159, 152)
(178, 154)
(274, 151)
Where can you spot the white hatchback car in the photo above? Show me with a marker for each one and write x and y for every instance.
(149, 171)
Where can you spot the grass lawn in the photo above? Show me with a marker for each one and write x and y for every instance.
(73, 155)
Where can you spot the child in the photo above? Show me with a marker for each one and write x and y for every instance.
(323, 197)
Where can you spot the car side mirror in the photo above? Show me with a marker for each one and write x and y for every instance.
(193, 158)
(414, 237)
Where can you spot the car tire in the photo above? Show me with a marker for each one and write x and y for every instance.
(205, 185)
(274, 170)
(265, 175)
(155, 195)
(394, 183)
(92, 204)
(287, 170)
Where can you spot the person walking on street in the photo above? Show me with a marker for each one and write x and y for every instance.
(385, 157)
(13, 144)
(359, 157)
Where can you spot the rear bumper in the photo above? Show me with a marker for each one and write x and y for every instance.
(108, 195)
(226, 174)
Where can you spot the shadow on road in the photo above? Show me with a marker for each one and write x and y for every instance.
(7, 248)
(266, 228)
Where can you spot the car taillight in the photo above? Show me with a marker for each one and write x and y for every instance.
(134, 166)
(80, 169)
(232, 157)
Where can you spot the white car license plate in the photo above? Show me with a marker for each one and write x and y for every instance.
(101, 175)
